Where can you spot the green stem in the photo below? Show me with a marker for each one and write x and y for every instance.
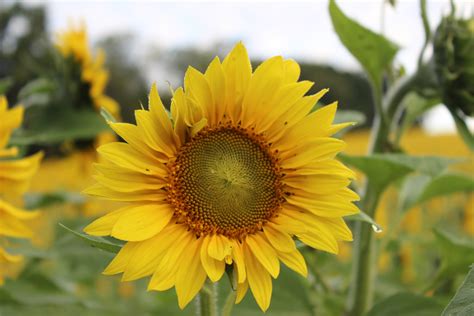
(364, 268)
(206, 300)
(229, 303)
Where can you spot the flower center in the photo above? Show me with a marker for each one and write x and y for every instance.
(225, 181)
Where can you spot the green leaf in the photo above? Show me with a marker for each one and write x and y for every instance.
(96, 242)
(35, 90)
(462, 303)
(373, 51)
(406, 304)
(447, 184)
(363, 217)
(384, 169)
(457, 254)
(60, 126)
(411, 190)
(5, 84)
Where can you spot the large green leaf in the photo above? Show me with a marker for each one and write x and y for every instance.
(457, 254)
(97, 242)
(384, 169)
(56, 126)
(447, 184)
(462, 303)
(406, 304)
(373, 51)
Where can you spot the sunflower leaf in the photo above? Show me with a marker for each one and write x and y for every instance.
(65, 125)
(384, 169)
(406, 304)
(364, 217)
(96, 242)
(462, 303)
(373, 51)
(457, 254)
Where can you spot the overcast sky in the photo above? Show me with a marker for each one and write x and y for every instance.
(300, 30)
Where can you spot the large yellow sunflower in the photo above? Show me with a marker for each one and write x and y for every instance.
(240, 170)
(74, 43)
(15, 176)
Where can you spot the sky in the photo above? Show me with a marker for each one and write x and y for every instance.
(298, 30)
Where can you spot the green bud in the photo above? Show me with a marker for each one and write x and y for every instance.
(454, 62)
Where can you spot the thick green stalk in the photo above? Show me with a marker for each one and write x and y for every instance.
(363, 269)
(206, 300)
(364, 266)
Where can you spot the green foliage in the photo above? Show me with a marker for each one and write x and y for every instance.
(373, 51)
(462, 303)
(406, 304)
(384, 169)
(96, 242)
(54, 126)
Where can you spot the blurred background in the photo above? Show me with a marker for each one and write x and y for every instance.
(155, 41)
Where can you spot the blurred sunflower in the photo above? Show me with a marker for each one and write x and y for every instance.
(242, 167)
(73, 43)
(15, 176)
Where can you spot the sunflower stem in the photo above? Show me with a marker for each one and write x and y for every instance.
(206, 300)
(229, 303)
(364, 267)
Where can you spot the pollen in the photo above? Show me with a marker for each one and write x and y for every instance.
(225, 180)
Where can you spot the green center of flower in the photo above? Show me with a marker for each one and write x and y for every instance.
(225, 181)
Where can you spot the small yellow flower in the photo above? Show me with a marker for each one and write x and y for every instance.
(15, 176)
(241, 169)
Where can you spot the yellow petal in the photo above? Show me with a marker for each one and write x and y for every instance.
(295, 261)
(160, 116)
(292, 71)
(13, 227)
(241, 291)
(316, 124)
(119, 263)
(103, 225)
(165, 274)
(124, 155)
(142, 222)
(219, 247)
(16, 212)
(238, 71)
(265, 82)
(196, 87)
(101, 191)
(178, 112)
(155, 136)
(329, 167)
(264, 252)
(324, 208)
(238, 257)
(280, 240)
(259, 280)
(216, 79)
(318, 184)
(309, 152)
(293, 116)
(289, 224)
(191, 275)
(214, 268)
(152, 252)
(134, 137)
(282, 100)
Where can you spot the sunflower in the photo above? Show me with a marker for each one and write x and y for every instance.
(238, 171)
(15, 176)
(74, 43)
